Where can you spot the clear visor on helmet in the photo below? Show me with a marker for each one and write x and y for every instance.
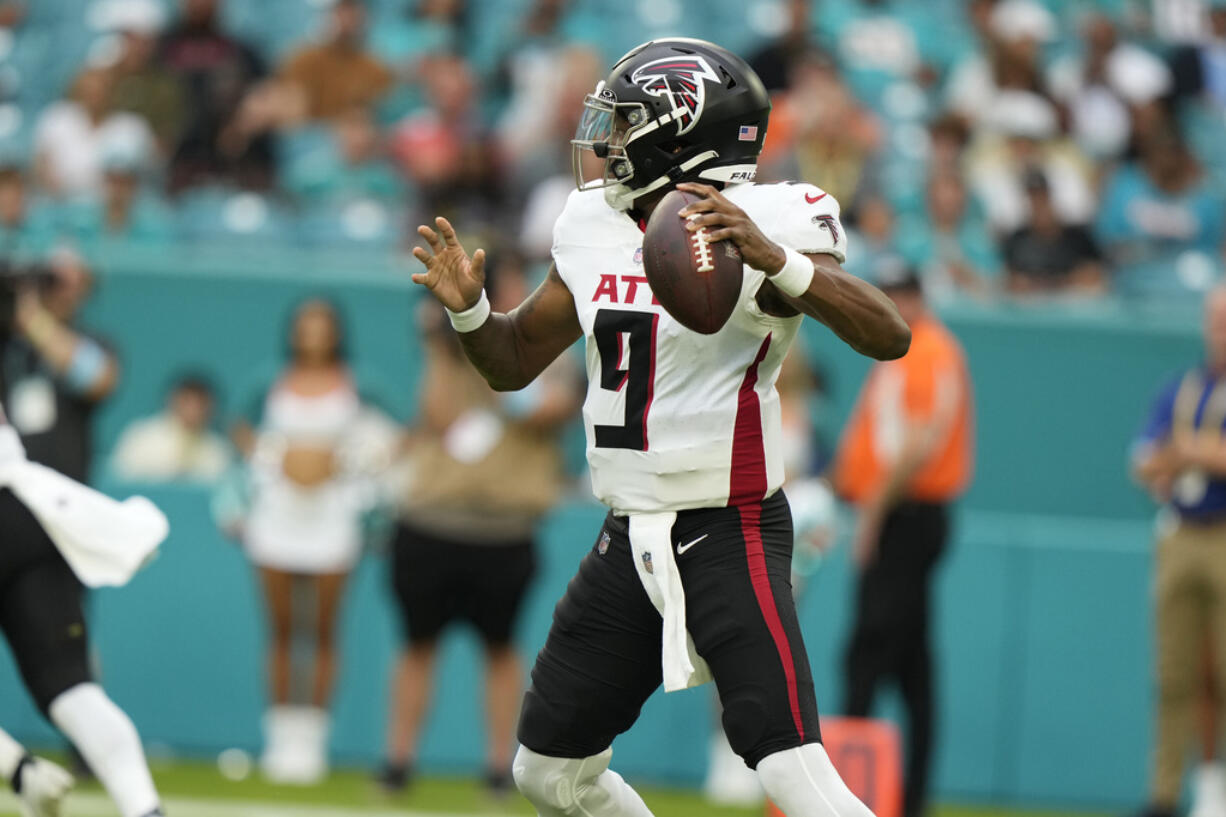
(603, 131)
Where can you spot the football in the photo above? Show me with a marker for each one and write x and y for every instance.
(696, 280)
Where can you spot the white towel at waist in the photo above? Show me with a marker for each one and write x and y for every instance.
(104, 541)
(652, 545)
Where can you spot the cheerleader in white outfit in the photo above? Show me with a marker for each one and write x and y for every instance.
(311, 462)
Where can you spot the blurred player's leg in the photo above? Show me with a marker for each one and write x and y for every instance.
(1210, 785)
(412, 691)
(503, 693)
(330, 590)
(599, 665)
(41, 616)
(107, 739)
(1181, 630)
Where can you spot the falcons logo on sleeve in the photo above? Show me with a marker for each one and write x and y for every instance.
(680, 80)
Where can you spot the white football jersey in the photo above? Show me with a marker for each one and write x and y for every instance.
(676, 419)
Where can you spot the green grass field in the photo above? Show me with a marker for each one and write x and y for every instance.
(198, 790)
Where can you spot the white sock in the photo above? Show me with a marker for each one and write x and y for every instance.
(803, 783)
(575, 787)
(11, 753)
(108, 741)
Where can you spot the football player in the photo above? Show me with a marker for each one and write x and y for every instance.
(689, 577)
(41, 616)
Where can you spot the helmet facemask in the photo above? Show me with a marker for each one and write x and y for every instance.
(605, 128)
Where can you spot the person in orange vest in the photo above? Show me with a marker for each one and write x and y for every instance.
(905, 456)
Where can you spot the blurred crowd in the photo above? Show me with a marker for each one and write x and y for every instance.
(1003, 147)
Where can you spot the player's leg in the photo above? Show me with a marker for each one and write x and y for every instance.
(741, 614)
(1210, 786)
(599, 665)
(917, 540)
(500, 579)
(873, 649)
(278, 599)
(1180, 631)
(40, 613)
(423, 585)
(329, 592)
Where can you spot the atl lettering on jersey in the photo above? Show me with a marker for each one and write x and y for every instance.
(675, 419)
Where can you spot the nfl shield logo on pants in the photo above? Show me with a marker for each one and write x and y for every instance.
(647, 562)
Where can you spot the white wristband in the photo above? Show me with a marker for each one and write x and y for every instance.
(472, 318)
(796, 275)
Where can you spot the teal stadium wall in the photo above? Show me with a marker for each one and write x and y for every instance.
(1044, 633)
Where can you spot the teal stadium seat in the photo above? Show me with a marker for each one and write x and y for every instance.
(234, 218)
(358, 223)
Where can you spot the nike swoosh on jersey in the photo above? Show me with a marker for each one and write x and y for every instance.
(815, 199)
(683, 548)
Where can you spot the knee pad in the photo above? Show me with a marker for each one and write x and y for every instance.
(804, 783)
(558, 786)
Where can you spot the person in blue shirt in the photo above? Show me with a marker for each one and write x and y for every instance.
(1180, 456)
(1161, 221)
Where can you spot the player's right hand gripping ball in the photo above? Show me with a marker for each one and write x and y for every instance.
(697, 281)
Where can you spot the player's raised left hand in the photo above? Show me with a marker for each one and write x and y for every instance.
(724, 220)
(451, 275)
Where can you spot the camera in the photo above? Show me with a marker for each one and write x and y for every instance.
(15, 277)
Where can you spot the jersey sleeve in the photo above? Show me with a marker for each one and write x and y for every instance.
(808, 221)
(569, 220)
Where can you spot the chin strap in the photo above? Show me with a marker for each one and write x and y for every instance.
(622, 197)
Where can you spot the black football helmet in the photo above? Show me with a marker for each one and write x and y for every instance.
(671, 111)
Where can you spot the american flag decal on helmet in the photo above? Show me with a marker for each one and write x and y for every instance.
(748, 133)
(682, 81)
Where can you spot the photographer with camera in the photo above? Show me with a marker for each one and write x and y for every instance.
(52, 375)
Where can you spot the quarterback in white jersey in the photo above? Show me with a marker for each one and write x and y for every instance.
(688, 580)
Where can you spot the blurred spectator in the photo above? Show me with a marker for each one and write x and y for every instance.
(948, 137)
(216, 71)
(52, 374)
(1048, 255)
(1021, 135)
(72, 137)
(340, 73)
(775, 61)
(1107, 87)
(872, 238)
(26, 228)
(906, 455)
(885, 46)
(1161, 221)
(351, 161)
(949, 243)
(1200, 68)
(1017, 31)
(1179, 457)
(310, 457)
(535, 131)
(141, 84)
(126, 209)
(177, 444)
(488, 468)
(426, 27)
(445, 149)
(820, 134)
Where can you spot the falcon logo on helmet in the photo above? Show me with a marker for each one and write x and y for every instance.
(680, 80)
(670, 111)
